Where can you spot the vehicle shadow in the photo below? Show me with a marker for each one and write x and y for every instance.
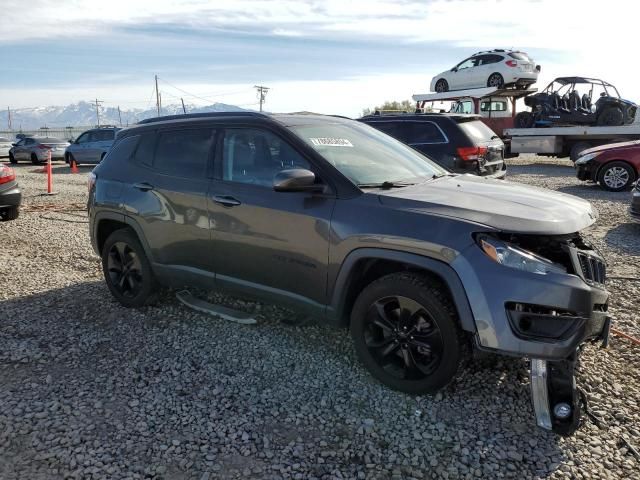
(624, 238)
(75, 344)
(591, 191)
(545, 169)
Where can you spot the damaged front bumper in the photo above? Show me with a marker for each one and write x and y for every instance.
(556, 400)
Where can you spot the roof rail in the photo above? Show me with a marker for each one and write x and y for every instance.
(201, 115)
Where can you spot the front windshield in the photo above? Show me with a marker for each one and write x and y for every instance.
(365, 155)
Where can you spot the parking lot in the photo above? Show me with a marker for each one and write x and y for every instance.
(89, 389)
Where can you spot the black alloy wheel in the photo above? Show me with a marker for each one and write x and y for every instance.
(406, 332)
(403, 338)
(125, 270)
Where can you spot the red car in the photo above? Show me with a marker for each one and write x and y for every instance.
(614, 167)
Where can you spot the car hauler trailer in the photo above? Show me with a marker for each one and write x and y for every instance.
(496, 106)
(568, 140)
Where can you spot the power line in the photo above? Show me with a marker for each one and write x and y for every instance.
(205, 97)
(98, 103)
(262, 93)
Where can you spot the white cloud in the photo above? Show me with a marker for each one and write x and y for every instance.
(571, 37)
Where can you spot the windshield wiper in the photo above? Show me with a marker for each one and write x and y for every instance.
(385, 185)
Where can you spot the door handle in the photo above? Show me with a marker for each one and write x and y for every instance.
(143, 186)
(226, 200)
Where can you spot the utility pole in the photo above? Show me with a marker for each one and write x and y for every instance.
(160, 100)
(262, 93)
(9, 117)
(184, 110)
(157, 96)
(98, 103)
(119, 115)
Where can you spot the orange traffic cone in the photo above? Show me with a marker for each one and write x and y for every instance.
(74, 166)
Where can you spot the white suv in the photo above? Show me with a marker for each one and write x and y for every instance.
(496, 68)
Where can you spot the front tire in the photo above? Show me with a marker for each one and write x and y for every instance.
(495, 80)
(616, 176)
(127, 270)
(524, 120)
(34, 159)
(10, 213)
(12, 159)
(406, 333)
(611, 117)
(442, 86)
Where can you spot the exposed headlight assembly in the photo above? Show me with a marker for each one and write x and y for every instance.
(509, 255)
(585, 158)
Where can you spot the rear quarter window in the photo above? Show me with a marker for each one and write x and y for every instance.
(520, 56)
(123, 150)
(477, 131)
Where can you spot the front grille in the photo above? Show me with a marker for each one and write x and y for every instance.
(593, 268)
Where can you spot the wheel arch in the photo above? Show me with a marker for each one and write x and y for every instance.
(621, 160)
(106, 223)
(365, 265)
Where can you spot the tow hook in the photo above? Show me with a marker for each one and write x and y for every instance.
(556, 401)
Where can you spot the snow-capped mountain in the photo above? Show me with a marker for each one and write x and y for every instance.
(84, 114)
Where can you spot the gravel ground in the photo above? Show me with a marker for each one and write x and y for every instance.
(89, 389)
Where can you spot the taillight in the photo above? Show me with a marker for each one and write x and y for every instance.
(511, 63)
(91, 181)
(470, 154)
(6, 174)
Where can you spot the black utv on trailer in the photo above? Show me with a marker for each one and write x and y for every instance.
(570, 101)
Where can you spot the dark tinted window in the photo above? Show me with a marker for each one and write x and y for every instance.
(255, 156)
(411, 132)
(146, 146)
(103, 135)
(122, 150)
(184, 153)
(489, 59)
(29, 141)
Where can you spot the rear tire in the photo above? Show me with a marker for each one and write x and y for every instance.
(523, 120)
(577, 149)
(616, 176)
(406, 333)
(12, 159)
(127, 270)
(10, 213)
(442, 86)
(611, 117)
(495, 80)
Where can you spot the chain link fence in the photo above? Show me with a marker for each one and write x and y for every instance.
(66, 133)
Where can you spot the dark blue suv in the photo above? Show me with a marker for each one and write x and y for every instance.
(458, 142)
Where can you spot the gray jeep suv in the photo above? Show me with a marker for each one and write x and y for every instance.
(342, 222)
(91, 146)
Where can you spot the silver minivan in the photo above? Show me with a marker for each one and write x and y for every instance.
(91, 146)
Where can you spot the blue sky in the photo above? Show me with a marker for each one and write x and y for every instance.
(326, 56)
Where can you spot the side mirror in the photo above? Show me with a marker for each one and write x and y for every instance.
(454, 69)
(295, 180)
(14, 144)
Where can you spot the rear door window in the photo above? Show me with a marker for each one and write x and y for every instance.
(184, 153)
(103, 135)
(477, 131)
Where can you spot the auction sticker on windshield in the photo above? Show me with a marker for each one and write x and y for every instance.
(331, 142)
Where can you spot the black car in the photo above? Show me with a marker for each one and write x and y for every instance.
(458, 142)
(571, 101)
(348, 225)
(10, 195)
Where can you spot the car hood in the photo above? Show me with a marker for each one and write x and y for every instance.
(611, 146)
(505, 206)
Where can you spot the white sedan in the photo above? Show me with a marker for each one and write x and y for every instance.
(497, 68)
(5, 146)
